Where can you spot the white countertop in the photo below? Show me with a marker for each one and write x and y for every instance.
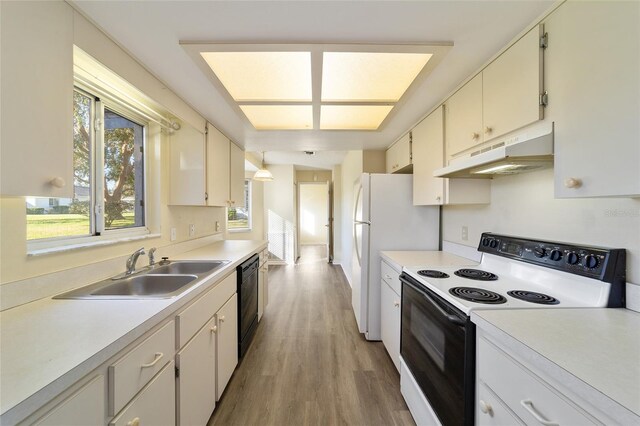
(401, 259)
(599, 346)
(48, 345)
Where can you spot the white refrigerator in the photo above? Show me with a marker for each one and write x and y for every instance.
(384, 219)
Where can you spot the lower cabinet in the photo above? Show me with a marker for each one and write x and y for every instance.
(226, 320)
(390, 312)
(85, 407)
(154, 405)
(196, 381)
(263, 285)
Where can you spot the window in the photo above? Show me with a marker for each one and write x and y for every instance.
(108, 182)
(239, 218)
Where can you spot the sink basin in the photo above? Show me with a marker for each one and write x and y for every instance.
(189, 267)
(146, 285)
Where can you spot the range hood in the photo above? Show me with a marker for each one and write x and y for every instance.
(526, 150)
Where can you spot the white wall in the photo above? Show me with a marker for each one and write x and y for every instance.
(279, 206)
(314, 199)
(524, 205)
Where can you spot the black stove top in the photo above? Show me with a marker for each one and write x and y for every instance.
(533, 297)
(476, 274)
(477, 295)
(432, 274)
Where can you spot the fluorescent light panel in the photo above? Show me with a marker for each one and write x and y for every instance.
(273, 117)
(353, 117)
(372, 77)
(263, 76)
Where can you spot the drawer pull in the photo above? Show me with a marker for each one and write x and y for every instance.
(214, 329)
(157, 358)
(222, 318)
(396, 304)
(134, 422)
(387, 276)
(528, 405)
(486, 408)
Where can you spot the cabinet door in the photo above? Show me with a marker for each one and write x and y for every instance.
(390, 322)
(398, 155)
(491, 411)
(512, 85)
(217, 168)
(227, 343)
(236, 176)
(187, 173)
(154, 405)
(464, 117)
(260, 294)
(592, 67)
(37, 98)
(428, 155)
(197, 379)
(85, 407)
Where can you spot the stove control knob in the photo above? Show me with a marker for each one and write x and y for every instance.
(591, 261)
(493, 243)
(539, 252)
(573, 258)
(555, 255)
(485, 242)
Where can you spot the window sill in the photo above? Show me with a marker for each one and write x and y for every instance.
(238, 230)
(88, 244)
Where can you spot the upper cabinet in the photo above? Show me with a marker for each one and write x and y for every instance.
(592, 68)
(398, 156)
(428, 155)
(502, 98)
(37, 99)
(206, 169)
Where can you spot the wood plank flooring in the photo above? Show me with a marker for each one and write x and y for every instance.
(307, 364)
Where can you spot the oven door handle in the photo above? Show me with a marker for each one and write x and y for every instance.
(451, 318)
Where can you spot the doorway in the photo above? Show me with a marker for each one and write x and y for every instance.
(314, 221)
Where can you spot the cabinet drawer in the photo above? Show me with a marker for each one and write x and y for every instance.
(85, 407)
(155, 405)
(391, 277)
(131, 372)
(491, 411)
(190, 320)
(525, 394)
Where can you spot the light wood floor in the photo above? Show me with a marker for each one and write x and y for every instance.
(308, 365)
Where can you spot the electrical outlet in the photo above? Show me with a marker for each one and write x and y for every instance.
(173, 234)
(465, 233)
(192, 230)
(217, 226)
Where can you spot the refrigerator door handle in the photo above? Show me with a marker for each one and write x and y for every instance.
(361, 222)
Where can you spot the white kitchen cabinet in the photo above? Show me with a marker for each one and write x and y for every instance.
(464, 117)
(511, 87)
(503, 97)
(37, 98)
(187, 167)
(592, 66)
(428, 156)
(85, 407)
(491, 411)
(398, 156)
(227, 343)
(390, 312)
(154, 405)
(196, 382)
(225, 170)
(263, 284)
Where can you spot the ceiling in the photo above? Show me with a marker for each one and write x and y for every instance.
(152, 31)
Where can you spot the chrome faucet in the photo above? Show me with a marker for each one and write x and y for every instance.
(151, 253)
(131, 261)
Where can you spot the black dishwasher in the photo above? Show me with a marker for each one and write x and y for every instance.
(247, 302)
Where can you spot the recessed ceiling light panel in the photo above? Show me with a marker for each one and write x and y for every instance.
(368, 76)
(272, 117)
(263, 76)
(353, 117)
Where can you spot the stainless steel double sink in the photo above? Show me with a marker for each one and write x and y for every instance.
(157, 282)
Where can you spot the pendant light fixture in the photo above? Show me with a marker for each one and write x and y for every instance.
(263, 174)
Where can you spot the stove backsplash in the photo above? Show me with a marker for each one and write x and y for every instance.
(524, 205)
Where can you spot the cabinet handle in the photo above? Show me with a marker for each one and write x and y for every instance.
(488, 130)
(157, 358)
(396, 304)
(206, 196)
(222, 318)
(438, 198)
(387, 276)
(572, 183)
(528, 405)
(214, 329)
(486, 408)
(233, 202)
(475, 135)
(134, 422)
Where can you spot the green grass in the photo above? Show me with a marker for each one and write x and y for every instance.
(66, 225)
(238, 224)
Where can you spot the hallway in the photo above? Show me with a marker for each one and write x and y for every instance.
(308, 364)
